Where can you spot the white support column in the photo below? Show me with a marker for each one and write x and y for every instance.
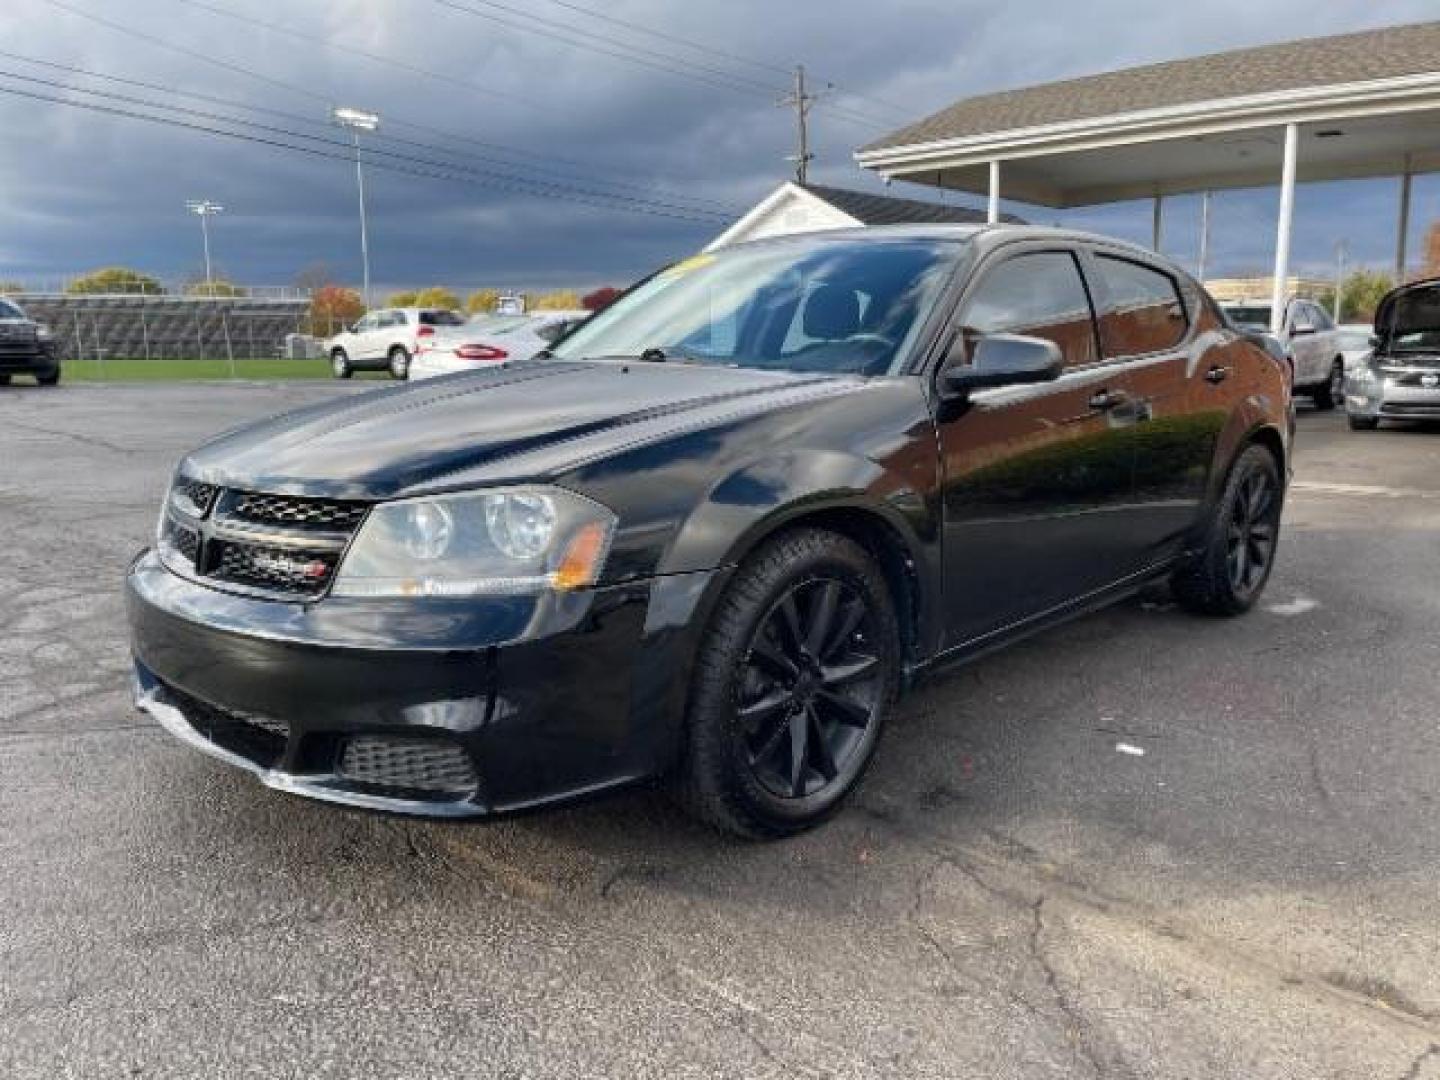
(1156, 212)
(1402, 229)
(1282, 230)
(992, 210)
(1204, 237)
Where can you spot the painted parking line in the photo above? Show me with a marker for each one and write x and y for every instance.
(1369, 491)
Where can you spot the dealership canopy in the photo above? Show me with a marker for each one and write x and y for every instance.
(1354, 105)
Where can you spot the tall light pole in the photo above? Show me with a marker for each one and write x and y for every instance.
(356, 121)
(1339, 276)
(204, 209)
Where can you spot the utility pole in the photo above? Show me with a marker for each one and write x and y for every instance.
(1339, 276)
(803, 101)
(204, 208)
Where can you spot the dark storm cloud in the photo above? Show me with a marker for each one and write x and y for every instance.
(79, 189)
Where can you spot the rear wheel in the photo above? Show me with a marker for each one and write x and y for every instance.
(1364, 423)
(1230, 572)
(1332, 391)
(792, 685)
(340, 364)
(399, 363)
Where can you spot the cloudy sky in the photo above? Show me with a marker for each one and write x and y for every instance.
(536, 143)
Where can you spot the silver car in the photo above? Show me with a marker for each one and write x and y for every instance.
(1310, 334)
(1400, 378)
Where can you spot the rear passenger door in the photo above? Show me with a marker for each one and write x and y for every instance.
(1175, 409)
(1035, 475)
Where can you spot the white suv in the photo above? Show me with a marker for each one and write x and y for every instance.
(385, 340)
(1311, 337)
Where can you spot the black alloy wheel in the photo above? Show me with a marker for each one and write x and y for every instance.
(1227, 575)
(809, 687)
(792, 683)
(1254, 525)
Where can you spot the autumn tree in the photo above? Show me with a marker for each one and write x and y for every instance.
(402, 299)
(115, 279)
(599, 299)
(561, 300)
(1430, 266)
(482, 301)
(332, 308)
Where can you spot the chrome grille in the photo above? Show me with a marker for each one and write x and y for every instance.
(289, 510)
(412, 764)
(281, 546)
(278, 569)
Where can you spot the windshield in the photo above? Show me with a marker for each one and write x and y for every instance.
(497, 324)
(1250, 317)
(803, 304)
(1355, 340)
(1414, 321)
(10, 311)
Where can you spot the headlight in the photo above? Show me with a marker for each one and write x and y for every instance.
(506, 542)
(43, 332)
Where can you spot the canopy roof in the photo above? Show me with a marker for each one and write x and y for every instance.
(1370, 103)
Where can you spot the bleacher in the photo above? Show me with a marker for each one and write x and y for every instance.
(167, 326)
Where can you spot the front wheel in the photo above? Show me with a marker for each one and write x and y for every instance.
(792, 685)
(1229, 573)
(399, 363)
(50, 378)
(340, 364)
(1332, 391)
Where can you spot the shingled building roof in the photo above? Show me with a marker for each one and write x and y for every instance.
(888, 210)
(1313, 62)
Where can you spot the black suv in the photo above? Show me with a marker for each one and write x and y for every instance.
(26, 347)
(714, 531)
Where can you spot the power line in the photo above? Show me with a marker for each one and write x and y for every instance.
(296, 88)
(409, 166)
(327, 125)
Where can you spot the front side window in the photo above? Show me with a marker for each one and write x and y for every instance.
(1036, 295)
(840, 306)
(1146, 312)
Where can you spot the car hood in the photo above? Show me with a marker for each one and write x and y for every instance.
(399, 441)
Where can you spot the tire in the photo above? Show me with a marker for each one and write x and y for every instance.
(399, 362)
(779, 732)
(340, 364)
(4, 380)
(49, 379)
(1332, 391)
(1229, 573)
(1364, 423)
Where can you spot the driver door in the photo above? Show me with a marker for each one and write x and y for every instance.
(1035, 477)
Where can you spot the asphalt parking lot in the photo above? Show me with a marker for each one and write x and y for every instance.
(1016, 893)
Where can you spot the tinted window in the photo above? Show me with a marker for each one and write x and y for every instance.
(1146, 312)
(806, 303)
(1250, 317)
(441, 318)
(1320, 318)
(1039, 295)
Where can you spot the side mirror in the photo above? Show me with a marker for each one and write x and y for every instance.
(1000, 360)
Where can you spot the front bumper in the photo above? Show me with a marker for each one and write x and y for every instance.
(1380, 398)
(442, 708)
(28, 360)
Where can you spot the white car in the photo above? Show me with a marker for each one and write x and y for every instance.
(493, 339)
(1313, 340)
(1354, 344)
(388, 339)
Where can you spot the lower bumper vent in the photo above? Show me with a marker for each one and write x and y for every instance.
(413, 764)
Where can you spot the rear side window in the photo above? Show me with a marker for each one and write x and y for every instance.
(1146, 314)
(1037, 295)
(441, 318)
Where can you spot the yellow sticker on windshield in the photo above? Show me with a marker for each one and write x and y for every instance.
(695, 262)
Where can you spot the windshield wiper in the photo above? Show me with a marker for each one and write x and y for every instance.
(659, 354)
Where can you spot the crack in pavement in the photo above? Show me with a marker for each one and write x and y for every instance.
(1079, 1031)
(1413, 1073)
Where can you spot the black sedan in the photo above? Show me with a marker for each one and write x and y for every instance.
(714, 532)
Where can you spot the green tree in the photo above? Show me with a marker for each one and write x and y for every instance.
(1360, 294)
(437, 296)
(482, 301)
(402, 299)
(218, 287)
(115, 279)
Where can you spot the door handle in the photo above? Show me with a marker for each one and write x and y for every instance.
(1108, 399)
(1217, 374)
